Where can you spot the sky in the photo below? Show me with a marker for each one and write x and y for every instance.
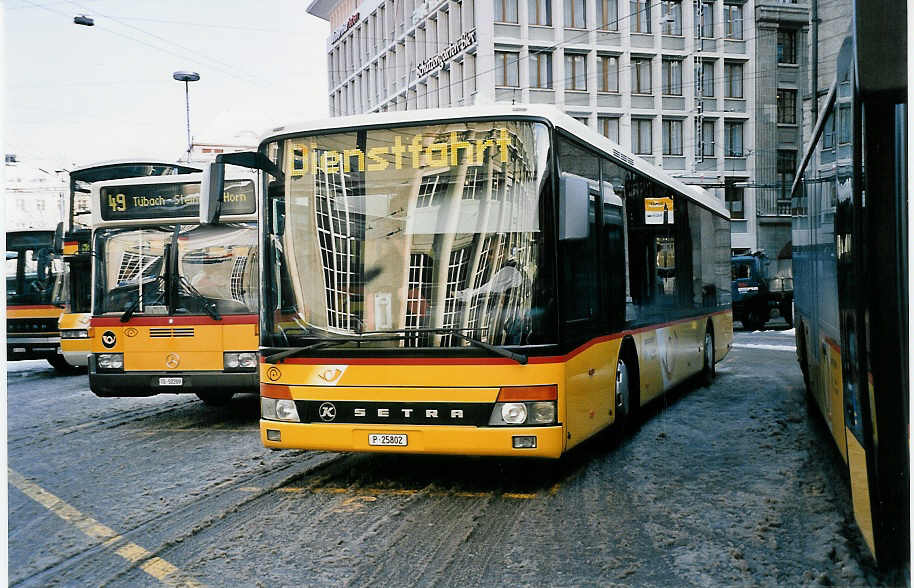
(76, 95)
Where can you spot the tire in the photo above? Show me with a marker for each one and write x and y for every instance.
(787, 313)
(215, 398)
(708, 369)
(623, 398)
(60, 364)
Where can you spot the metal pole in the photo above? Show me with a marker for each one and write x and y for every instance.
(187, 102)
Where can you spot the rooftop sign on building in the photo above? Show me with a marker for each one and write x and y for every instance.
(436, 62)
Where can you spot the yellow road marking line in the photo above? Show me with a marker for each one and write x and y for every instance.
(153, 565)
(519, 496)
(473, 494)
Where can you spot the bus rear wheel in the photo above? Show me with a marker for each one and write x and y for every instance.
(215, 398)
(61, 365)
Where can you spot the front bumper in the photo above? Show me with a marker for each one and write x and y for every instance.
(432, 439)
(135, 384)
(18, 348)
(76, 351)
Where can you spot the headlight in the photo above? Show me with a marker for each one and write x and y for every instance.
(239, 361)
(523, 413)
(274, 409)
(74, 333)
(110, 361)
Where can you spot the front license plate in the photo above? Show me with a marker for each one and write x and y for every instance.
(18, 349)
(387, 440)
(171, 381)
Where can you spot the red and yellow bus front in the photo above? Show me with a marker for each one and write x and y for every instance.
(32, 332)
(175, 311)
(452, 407)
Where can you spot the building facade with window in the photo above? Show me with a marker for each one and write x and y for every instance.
(677, 82)
(34, 193)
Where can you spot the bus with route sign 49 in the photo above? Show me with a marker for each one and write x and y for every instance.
(489, 281)
(174, 308)
(74, 246)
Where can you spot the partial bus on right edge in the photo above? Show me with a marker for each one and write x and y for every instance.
(850, 271)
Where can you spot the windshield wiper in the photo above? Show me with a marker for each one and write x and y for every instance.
(275, 357)
(208, 306)
(518, 357)
(136, 303)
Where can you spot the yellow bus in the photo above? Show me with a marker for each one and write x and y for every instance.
(489, 281)
(33, 298)
(75, 250)
(174, 307)
(850, 266)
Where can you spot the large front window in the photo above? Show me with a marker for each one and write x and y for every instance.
(168, 270)
(30, 272)
(410, 237)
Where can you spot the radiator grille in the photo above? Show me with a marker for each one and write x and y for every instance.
(167, 332)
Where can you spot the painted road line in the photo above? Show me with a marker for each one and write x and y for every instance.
(519, 495)
(762, 346)
(153, 565)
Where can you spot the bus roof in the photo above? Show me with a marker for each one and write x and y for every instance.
(556, 117)
(132, 161)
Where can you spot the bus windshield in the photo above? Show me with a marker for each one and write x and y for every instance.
(30, 276)
(411, 237)
(177, 269)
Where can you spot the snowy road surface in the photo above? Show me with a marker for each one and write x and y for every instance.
(727, 485)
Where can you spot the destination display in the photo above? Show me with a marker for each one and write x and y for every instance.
(171, 200)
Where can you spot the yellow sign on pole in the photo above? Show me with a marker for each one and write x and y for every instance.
(658, 211)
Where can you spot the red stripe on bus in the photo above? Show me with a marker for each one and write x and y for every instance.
(481, 360)
(150, 321)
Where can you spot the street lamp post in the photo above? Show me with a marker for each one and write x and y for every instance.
(187, 77)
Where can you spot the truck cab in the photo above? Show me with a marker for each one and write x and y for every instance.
(758, 289)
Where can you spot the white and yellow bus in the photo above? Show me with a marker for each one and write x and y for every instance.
(488, 281)
(75, 247)
(174, 307)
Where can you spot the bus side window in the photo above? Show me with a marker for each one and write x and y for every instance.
(579, 258)
(614, 266)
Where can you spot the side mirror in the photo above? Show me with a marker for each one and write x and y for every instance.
(574, 200)
(58, 239)
(211, 193)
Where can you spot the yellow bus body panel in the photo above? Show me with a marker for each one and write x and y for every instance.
(860, 488)
(201, 352)
(41, 311)
(75, 320)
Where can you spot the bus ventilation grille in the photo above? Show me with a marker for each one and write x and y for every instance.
(171, 332)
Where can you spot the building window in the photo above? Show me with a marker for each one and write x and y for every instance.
(787, 106)
(506, 10)
(671, 71)
(733, 21)
(609, 73)
(707, 79)
(641, 75)
(608, 15)
(733, 138)
(787, 46)
(541, 70)
(734, 199)
(540, 12)
(609, 127)
(641, 136)
(581, 119)
(575, 71)
(844, 124)
(575, 17)
(640, 17)
(828, 133)
(672, 137)
(786, 168)
(704, 20)
(707, 138)
(671, 17)
(506, 69)
(733, 78)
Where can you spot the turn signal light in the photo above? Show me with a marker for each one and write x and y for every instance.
(275, 391)
(528, 393)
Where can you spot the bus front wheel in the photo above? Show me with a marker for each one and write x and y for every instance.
(215, 398)
(708, 371)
